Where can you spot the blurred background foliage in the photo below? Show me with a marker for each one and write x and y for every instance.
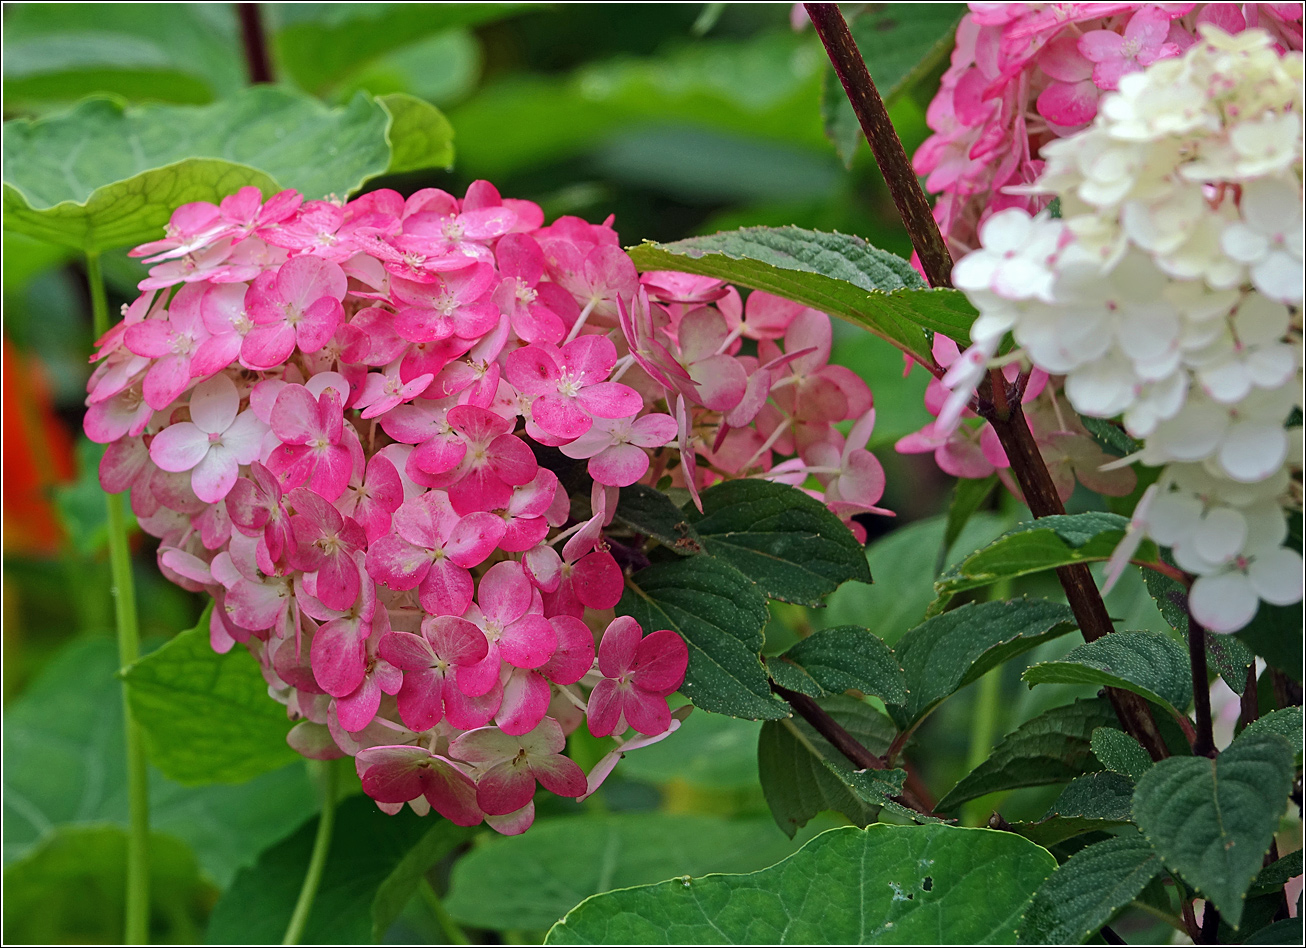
(680, 119)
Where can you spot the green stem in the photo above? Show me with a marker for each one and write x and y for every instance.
(317, 861)
(129, 649)
(452, 931)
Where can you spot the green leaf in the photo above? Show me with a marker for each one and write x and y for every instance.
(1105, 796)
(26, 257)
(160, 52)
(793, 763)
(1051, 748)
(531, 881)
(1286, 722)
(1119, 752)
(1213, 820)
(1147, 663)
(950, 651)
(712, 751)
(900, 42)
(72, 890)
(64, 764)
(374, 866)
(884, 884)
(654, 514)
(720, 614)
(419, 135)
(787, 542)
(1276, 874)
(1042, 544)
(902, 563)
(831, 661)
(1287, 931)
(320, 45)
(206, 717)
(1088, 889)
(1110, 437)
(103, 175)
(836, 273)
(1226, 653)
(967, 497)
(1275, 634)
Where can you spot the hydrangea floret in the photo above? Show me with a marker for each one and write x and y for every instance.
(1169, 294)
(346, 422)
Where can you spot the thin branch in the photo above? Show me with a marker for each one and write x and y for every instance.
(889, 154)
(257, 61)
(1204, 743)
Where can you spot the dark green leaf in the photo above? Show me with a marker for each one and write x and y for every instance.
(654, 514)
(835, 273)
(71, 890)
(1286, 722)
(792, 763)
(1105, 796)
(787, 542)
(1285, 932)
(1226, 653)
(1213, 820)
(1051, 748)
(103, 176)
(205, 717)
(967, 497)
(720, 614)
(1277, 873)
(1110, 437)
(902, 563)
(373, 867)
(1147, 663)
(950, 651)
(884, 884)
(1231, 658)
(1275, 634)
(531, 881)
(1119, 752)
(64, 764)
(1033, 547)
(901, 42)
(1088, 889)
(320, 45)
(831, 661)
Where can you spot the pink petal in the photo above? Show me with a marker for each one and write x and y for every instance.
(526, 697)
(529, 642)
(504, 788)
(614, 400)
(619, 645)
(575, 652)
(620, 465)
(179, 447)
(659, 663)
(338, 657)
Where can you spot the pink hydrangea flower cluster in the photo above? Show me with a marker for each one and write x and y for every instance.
(1025, 74)
(346, 422)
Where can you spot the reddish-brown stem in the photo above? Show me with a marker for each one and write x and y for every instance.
(1165, 569)
(1204, 741)
(887, 148)
(257, 60)
(839, 738)
(1190, 919)
(1249, 704)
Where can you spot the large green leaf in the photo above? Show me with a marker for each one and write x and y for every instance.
(178, 52)
(103, 175)
(1286, 722)
(784, 540)
(802, 774)
(531, 881)
(374, 866)
(836, 273)
(1150, 664)
(71, 890)
(1041, 544)
(654, 514)
(64, 764)
(320, 45)
(206, 717)
(720, 614)
(900, 43)
(1088, 889)
(1051, 748)
(950, 651)
(831, 661)
(1092, 803)
(1212, 821)
(1119, 752)
(884, 884)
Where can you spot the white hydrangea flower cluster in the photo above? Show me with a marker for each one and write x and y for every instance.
(1170, 294)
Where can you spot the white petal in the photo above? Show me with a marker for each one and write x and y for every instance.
(1224, 602)
(1220, 534)
(1279, 276)
(213, 404)
(1173, 517)
(1252, 451)
(1277, 576)
(1243, 244)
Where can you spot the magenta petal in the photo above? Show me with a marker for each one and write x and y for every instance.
(446, 590)
(421, 699)
(406, 650)
(574, 656)
(392, 774)
(614, 400)
(660, 662)
(452, 794)
(559, 775)
(505, 788)
(529, 642)
(598, 581)
(339, 657)
(619, 466)
(468, 713)
(604, 708)
(645, 712)
(619, 645)
(455, 640)
(532, 370)
(397, 563)
(561, 416)
(473, 539)
(526, 698)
